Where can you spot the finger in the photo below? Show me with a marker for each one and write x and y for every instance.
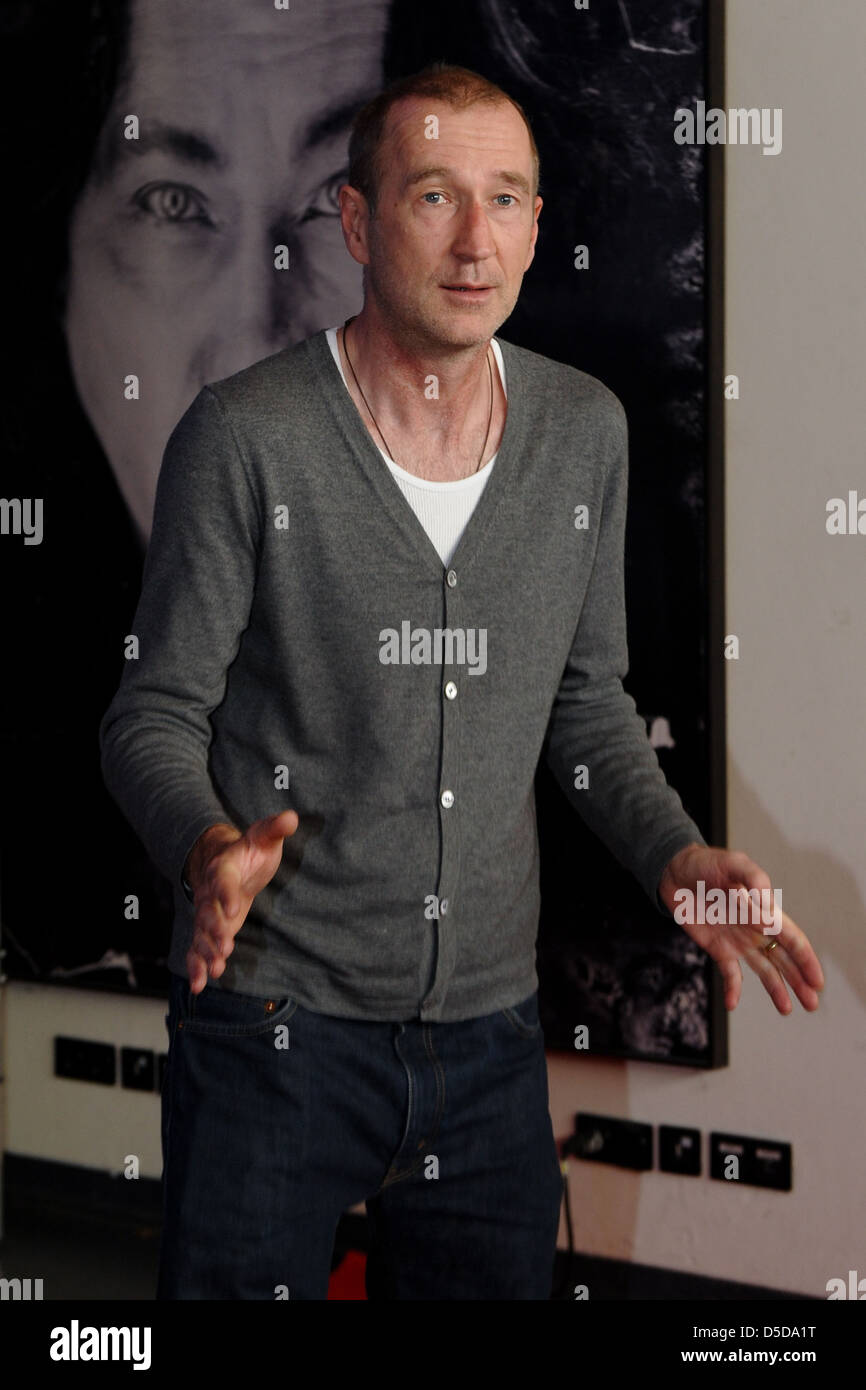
(210, 920)
(212, 935)
(732, 977)
(799, 949)
(196, 970)
(219, 966)
(263, 833)
(771, 978)
(205, 948)
(780, 960)
(757, 904)
(802, 967)
(212, 941)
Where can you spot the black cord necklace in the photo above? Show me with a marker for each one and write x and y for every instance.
(373, 418)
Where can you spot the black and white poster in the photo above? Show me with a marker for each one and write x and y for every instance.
(151, 258)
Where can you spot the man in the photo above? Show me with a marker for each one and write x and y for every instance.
(354, 825)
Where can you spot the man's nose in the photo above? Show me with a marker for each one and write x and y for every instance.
(473, 239)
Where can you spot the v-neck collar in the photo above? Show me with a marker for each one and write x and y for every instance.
(333, 389)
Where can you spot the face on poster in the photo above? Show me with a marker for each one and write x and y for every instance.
(238, 148)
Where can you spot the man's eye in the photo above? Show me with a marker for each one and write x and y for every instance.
(172, 202)
(508, 204)
(327, 200)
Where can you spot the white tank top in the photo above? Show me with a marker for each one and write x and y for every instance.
(442, 508)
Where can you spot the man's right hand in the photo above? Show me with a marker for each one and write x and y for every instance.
(226, 869)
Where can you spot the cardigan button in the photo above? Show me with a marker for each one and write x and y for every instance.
(451, 578)
(451, 691)
(447, 799)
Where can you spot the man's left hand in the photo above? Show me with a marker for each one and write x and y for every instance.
(791, 961)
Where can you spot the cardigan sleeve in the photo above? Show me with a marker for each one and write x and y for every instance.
(197, 590)
(628, 802)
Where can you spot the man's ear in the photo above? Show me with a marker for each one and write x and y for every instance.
(355, 221)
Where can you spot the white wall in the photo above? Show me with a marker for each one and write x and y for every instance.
(796, 335)
(796, 597)
(75, 1121)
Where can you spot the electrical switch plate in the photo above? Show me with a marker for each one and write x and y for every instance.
(605, 1139)
(760, 1162)
(78, 1060)
(136, 1068)
(679, 1150)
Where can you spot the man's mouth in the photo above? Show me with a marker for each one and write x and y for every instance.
(469, 292)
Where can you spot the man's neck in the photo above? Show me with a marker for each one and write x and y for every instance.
(394, 370)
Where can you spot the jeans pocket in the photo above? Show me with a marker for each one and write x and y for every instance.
(224, 1013)
(523, 1017)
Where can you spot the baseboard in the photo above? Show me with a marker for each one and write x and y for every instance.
(66, 1190)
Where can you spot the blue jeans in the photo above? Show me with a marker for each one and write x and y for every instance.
(276, 1120)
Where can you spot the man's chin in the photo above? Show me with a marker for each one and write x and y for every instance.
(466, 329)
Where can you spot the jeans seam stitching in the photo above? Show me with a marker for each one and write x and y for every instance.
(408, 1124)
(440, 1081)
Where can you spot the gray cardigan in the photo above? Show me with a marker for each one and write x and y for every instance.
(301, 645)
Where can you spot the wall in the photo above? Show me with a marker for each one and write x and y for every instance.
(75, 1121)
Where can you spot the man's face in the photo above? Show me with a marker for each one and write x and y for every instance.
(244, 114)
(454, 210)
